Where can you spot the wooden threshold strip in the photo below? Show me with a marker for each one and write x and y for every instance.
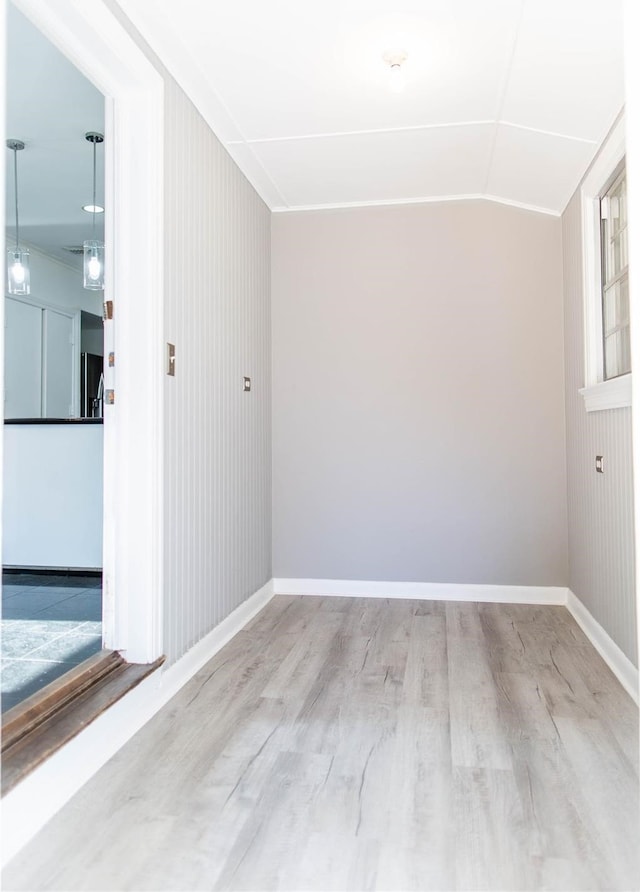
(34, 729)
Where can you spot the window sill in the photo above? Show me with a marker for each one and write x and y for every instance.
(613, 394)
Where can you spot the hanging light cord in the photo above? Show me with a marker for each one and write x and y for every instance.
(15, 180)
(93, 225)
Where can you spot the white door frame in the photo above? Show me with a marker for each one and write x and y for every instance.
(91, 36)
(632, 116)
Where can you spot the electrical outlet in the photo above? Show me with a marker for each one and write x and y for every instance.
(247, 385)
(171, 360)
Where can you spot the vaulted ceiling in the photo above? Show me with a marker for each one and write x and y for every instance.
(507, 99)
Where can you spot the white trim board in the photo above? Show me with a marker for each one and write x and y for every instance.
(28, 807)
(620, 665)
(424, 591)
(393, 202)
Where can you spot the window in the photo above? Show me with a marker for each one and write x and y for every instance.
(616, 340)
(607, 373)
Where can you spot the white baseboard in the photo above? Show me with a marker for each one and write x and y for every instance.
(35, 800)
(619, 663)
(423, 591)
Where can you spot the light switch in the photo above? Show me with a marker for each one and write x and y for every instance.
(171, 360)
(600, 464)
(247, 385)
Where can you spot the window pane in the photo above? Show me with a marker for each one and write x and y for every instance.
(623, 301)
(624, 259)
(614, 212)
(611, 355)
(615, 281)
(610, 309)
(624, 361)
(616, 257)
(617, 353)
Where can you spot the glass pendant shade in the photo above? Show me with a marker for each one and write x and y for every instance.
(18, 274)
(93, 265)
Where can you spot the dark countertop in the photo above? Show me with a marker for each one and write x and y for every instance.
(53, 420)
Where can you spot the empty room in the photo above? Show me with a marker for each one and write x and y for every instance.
(368, 468)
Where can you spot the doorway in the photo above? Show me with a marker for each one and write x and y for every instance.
(54, 349)
(91, 37)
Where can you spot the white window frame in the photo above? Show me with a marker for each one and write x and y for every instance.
(599, 394)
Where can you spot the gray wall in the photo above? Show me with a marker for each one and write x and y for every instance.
(418, 395)
(601, 541)
(217, 440)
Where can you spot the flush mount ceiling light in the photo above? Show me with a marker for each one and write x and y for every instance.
(395, 61)
(93, 250)
(18, 276)
(93, 208)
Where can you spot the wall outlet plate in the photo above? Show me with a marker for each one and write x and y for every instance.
(171, 360)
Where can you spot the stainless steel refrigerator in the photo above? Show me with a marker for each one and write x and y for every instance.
(91, 385)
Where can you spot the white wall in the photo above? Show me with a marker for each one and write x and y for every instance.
(52, 506)
(418, 395)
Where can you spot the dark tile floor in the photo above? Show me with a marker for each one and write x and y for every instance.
(50, 623)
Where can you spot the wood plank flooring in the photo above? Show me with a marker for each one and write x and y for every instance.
(352, 744)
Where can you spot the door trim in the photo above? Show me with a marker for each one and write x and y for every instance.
(93, 38)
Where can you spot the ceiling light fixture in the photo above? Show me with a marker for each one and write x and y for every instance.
(18, 275)
(93, 208)
(395, 61)
(93, 265)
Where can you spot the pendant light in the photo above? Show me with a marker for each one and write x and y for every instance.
(93, 250)
(18, 275)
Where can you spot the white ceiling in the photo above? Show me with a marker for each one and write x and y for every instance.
(507, 99)
(50, 107)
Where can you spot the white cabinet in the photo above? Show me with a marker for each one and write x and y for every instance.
(52, 499)
(23, 360)
(42, 359)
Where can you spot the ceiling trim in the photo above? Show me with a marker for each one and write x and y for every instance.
(426, 200)
(375, 130)
(592, 142)
(338, 133)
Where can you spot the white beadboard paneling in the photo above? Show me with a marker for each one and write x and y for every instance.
(217, 438)
(401, 164)
(600, 506)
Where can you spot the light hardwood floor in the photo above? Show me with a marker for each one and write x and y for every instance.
(342, 743)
